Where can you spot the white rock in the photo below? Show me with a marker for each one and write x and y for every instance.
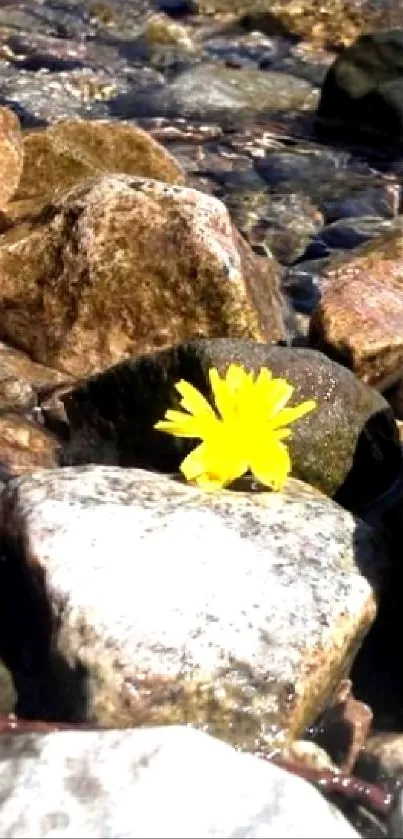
(158, 782)
(235, 611)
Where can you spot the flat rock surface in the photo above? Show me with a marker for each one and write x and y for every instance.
(171, 782)
(236, 611)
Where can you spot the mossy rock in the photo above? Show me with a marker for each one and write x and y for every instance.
(348, 448)
(67, 153)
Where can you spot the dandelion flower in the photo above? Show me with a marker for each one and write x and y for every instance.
(243, 432)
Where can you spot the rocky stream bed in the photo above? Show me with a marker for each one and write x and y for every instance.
(187, 184)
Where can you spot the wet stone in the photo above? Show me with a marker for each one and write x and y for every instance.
(282, 224)
(345, 234)
(41, 97)
(302, 283)
(251, 50)
(381, 200)
(300, 166)
(233, 94)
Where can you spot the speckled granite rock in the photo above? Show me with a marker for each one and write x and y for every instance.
(168, 782)
(11, 154)
(348, 448)
(121, 265)
(236, 611)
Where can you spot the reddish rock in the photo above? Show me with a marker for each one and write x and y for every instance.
(344, 727)
(16, 365)
(24, 446)
(359, 318)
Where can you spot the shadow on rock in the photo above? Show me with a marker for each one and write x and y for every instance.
(47, 688)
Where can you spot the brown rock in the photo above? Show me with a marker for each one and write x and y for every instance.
(334, 24)
(161, 29)
(123, 265)
(24, 447)
(386, 751)
(308, 754)
(67, 153)
(359, 319)
(344, 727)
(17, 366)
(11, 154)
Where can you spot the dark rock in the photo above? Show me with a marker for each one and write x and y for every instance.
(280, 224)
(302, 283)
(176, 7)
(345, 234)
(363, 90)
(358, 200)
(349, 447)
(278, 168)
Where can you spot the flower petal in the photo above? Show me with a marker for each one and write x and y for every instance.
(194, 463)
(288, 415)
(208, 481)
(222, 396)
(271, 463)
(193, 401)
(180, 425)
(276, 393)
(212, 460)
(235, 377)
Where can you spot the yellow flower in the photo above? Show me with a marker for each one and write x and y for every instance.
(245, 432)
